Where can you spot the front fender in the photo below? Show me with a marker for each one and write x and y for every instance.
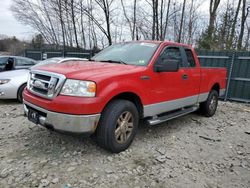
(113, 89)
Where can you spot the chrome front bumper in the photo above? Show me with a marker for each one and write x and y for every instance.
(63, 122)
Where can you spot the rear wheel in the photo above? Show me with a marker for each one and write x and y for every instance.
(117, 126)
(208, 108)
(20, 93)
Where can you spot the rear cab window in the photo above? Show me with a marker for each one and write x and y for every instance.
(190, 58)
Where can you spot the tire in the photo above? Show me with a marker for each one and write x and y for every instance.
(117, 126)
(20, 93)
(208, 108)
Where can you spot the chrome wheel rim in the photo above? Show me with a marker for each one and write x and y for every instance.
(124, 127)
(213, 104)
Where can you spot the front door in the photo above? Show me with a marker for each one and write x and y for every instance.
(171, 90)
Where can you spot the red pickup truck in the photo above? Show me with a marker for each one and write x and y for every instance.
(108, 95)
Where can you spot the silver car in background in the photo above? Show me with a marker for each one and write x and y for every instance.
(12, 83)
(8, 63)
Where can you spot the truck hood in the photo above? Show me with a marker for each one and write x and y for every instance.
(90, 70)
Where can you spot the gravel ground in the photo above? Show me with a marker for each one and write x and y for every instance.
(190, 151)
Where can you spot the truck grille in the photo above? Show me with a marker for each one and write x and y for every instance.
(45, 84)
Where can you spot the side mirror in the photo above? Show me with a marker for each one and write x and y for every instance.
(167, 65)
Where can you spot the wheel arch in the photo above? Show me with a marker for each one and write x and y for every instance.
(216, 87)
(132, 97)
(21, 85)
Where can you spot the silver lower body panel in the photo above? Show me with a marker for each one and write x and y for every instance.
(62, 122)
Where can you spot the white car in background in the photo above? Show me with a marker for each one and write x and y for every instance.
(12, 83)
(8, 63)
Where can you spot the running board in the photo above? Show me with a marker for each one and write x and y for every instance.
(173, 115)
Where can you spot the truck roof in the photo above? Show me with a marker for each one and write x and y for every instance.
(167, 42)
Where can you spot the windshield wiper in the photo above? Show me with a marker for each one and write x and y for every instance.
(114, 61)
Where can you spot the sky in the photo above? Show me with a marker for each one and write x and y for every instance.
(10, 26)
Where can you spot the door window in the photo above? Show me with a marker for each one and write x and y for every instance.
(3, 60)
(171, 53)
(190, 58)
(24, 62)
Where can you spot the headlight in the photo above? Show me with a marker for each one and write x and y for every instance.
(4, 81)
(28, 80)
(79, 88)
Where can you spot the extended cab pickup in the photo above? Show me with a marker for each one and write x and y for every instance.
(108, 95)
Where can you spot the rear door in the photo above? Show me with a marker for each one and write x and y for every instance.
(192, 75)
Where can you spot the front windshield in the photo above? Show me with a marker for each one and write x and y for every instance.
(135, 53)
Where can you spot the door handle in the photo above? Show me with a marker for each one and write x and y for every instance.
(145, 78)
(184, 77)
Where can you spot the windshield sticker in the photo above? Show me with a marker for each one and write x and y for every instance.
(141, 62)
(148, 44)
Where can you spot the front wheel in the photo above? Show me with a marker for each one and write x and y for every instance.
(118, 126)
(208, 108)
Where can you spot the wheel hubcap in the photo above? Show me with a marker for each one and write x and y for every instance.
(124, 127)
(213, 104)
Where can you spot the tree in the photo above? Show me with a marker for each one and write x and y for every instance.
(99, 23)
(244, 15)
(247, 39)
(182, 19)
(166, 21)
(12, 45)
(60, 15)
(214, 4)
(37, 41)
(207, 39)
(46, 12)
(105, 6)
(232, 35)
(134, 33)
(131, 21)
(155, 24)
(224, 29)
(82, 30)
